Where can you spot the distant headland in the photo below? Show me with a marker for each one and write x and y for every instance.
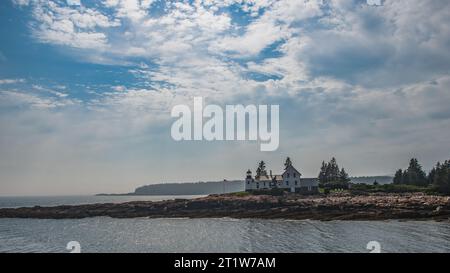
(220, 187)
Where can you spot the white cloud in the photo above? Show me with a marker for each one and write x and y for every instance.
(35, 101)
(21, 2)
(11, 81)
(397, 43)
(351, 78)
(272, 26)
(74, 26)
(74, 2)
(193, 44)
(133, 10)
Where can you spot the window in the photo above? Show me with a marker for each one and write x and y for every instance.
(287, 175)
(248, 182)
(296, 183)
(309, 188)
(287, 183)
(257, 185)
(294, 174)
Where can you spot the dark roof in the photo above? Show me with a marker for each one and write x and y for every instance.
(263, 178)
(292, 168)
(278, 177)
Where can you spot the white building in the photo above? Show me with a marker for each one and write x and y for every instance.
(290, 180)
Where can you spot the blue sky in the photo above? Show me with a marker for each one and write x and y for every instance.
(86, 87)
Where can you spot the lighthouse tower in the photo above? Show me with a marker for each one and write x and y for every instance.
(249, 181)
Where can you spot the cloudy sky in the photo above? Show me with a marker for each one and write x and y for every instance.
(86, 87)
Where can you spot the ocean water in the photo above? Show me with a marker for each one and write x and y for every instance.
(104, 234)
(30, 201)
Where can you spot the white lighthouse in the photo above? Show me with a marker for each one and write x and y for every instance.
(249, 181)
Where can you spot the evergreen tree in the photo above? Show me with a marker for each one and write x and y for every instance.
(432, 174)
(415, 175)
(258, 172)
(439, 176)
(327, 173)
(331, 176)
(442, 177)
(261, 170)
(323, 173)
(398, 178)
(334, 170)
(288, 163)
(405, 178)
(343, 177)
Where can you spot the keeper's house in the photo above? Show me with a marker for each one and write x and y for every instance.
(290, 180)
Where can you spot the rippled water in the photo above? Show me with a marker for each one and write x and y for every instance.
(104, 234)
(29, 201)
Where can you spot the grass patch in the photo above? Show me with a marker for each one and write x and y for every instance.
(273, 192)
(241, 194)
(390, 188)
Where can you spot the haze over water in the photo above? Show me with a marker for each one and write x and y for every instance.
(104, 234)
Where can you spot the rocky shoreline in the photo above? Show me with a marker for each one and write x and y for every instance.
(326, 208)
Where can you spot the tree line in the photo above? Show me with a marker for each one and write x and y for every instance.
(438, 177)
(331, 176)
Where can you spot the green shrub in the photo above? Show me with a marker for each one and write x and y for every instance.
(390, 188)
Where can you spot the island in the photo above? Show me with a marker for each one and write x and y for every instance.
(412, 195)
(336, 206)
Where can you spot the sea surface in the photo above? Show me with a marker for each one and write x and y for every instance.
(104, 234)
(30, 201)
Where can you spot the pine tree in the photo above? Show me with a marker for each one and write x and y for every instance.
(398, 178)
(334, 170)
(439, 176)
(258, 172)
(343, 177)
(415, 174)
(330, 175)
(405, 178)
(432, 175)
(442, 177)
(261, 170)
(327, 172)
(323, 173)
(288, 163)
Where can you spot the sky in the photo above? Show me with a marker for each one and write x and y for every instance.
(86, 88)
